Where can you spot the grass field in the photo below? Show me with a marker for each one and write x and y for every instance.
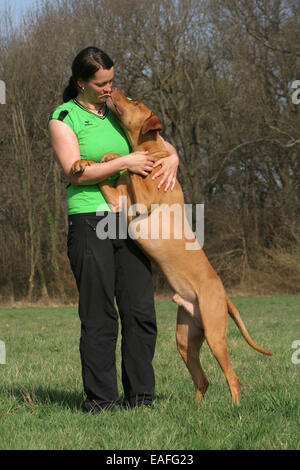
(41, 388)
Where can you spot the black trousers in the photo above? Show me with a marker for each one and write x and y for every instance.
(108, 269)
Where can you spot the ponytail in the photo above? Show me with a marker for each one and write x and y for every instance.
(70, 91)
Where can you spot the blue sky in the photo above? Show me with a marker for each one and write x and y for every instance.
(17, 6)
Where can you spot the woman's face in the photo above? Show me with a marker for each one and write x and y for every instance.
(98, 88)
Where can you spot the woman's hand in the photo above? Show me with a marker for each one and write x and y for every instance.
(168, 171)
(140, 163)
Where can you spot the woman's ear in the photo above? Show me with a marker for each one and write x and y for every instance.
(79, 83)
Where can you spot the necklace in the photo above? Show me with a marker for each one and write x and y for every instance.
(100, 112)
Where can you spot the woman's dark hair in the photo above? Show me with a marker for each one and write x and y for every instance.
(84, 66)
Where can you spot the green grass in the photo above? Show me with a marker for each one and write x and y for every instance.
(41, 388)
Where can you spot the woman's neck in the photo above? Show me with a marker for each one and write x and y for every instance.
(97, 108)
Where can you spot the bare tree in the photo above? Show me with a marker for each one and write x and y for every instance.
(219, 76)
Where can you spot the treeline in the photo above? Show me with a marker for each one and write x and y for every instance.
(219, 75)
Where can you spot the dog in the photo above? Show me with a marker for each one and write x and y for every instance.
(203, 304)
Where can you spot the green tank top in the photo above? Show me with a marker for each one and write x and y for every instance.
(96, 136)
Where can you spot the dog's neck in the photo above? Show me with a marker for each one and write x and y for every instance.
(152, 143)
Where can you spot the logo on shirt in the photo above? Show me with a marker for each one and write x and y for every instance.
(88, 123)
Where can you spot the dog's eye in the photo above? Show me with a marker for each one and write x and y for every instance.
(136, 103)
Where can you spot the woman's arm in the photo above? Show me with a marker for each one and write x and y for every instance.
(65, 145)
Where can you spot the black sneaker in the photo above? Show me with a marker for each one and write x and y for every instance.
(95, 406)
(138, 402)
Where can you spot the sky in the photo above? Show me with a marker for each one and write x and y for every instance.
(17, 6)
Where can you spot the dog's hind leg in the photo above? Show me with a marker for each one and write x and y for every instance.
(218, 347)
(214, 316)
(190, 336)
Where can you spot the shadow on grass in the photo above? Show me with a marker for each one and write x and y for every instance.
(39, 396)
(29, 397)
(32, 397)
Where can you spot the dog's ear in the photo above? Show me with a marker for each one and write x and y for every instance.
(151, 124)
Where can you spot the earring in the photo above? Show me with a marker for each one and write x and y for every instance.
(82, 88)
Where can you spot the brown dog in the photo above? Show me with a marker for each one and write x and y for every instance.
(203, 303)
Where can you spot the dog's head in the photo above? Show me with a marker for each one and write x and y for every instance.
(135, 118)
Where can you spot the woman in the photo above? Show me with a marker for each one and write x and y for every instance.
(84, 127)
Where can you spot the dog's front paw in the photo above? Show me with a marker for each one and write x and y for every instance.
(107, 157)
(80, 165)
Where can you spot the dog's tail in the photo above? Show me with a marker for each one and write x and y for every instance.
(235, 315)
